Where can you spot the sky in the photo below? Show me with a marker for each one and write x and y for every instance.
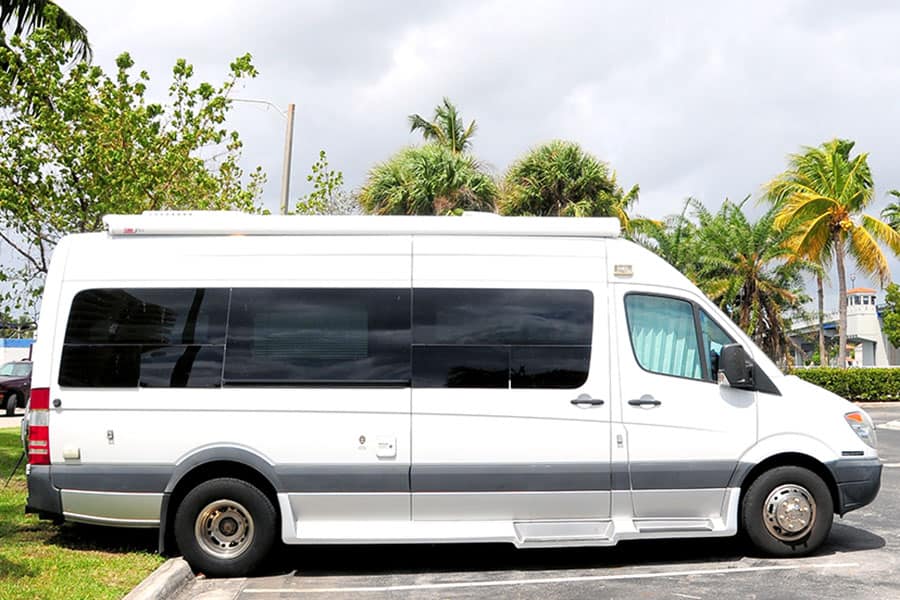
(701, 99)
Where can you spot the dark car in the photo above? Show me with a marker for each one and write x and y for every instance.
(15, 385)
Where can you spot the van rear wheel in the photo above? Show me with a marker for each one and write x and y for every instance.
(788, 511)
(225, 527)
(12, 400)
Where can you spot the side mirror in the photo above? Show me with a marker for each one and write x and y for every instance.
(737, 367)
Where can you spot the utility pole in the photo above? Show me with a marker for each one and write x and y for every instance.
(288, 147)
(286, 171)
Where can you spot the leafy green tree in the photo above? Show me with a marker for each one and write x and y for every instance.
(328, 196)
(746, 267)
(749, 269)
(19, 327)
(891, 325)
(76, 144)
(822, 196)
(28, 15)
(674, 239)
(561, 179)
(445, 128)
(427, 180)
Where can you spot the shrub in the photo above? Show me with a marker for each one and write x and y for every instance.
(861, 385)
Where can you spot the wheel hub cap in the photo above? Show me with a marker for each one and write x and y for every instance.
(224, 529)
(789, 512)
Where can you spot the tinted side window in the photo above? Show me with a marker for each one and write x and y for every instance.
(460, 366)
(155, 337)
(663, 335)
(498, 338)
(549, 366)
(145, 366)
(287, 336)
(148, 316)
(503, 316)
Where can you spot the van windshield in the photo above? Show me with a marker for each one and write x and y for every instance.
(15, 369)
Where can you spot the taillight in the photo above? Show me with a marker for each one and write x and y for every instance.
(39, 427)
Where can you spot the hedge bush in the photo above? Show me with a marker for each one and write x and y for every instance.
(861, 385)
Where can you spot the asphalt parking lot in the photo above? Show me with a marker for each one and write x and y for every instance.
(861, 559)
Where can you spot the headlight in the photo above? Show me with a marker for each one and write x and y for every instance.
(862, 425)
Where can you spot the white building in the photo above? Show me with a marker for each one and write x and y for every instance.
(14, 349)
(867, 344)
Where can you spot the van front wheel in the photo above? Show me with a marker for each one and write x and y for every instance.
(788, 511)
(225, 527)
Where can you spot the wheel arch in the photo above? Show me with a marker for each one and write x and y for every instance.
(211, 463)
(795, 459)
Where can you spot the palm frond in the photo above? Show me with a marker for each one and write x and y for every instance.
(28, 15)
(869, 258)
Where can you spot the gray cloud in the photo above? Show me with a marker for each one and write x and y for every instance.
(703, 98)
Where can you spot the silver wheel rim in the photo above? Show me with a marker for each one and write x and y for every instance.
(224, 529)
(789, 512)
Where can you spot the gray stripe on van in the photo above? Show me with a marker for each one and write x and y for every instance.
(681, 475)
(501, 477)
(570, 476)
(510, 477)
(343, 478)
(111, 478)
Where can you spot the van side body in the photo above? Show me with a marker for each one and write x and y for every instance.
(420, 379)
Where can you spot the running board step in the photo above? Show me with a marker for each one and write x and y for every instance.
(566, 533)
(672, 525)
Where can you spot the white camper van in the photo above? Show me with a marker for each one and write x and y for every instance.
(235, 379)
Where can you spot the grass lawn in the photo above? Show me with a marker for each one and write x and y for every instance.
(39, 560)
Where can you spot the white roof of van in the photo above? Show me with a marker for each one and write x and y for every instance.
(187, 223)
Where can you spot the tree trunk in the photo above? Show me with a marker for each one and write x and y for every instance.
(842, 299)
(823, 354)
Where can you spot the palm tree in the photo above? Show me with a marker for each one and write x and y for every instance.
(28, 15)
(823, 194)
(428, 180)
(891, 212)
(820, 270)
(560, 179)
(445, 128)
(673, 239)
(750, 271)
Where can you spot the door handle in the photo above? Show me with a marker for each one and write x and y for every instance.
(645, 401)
(585, 400)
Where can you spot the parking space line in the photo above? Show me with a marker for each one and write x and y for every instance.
(543, 580)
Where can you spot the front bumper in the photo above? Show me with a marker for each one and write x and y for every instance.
(858, 481)
(43, 498)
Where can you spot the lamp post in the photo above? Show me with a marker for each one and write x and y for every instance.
(286, 168)
(288, 147)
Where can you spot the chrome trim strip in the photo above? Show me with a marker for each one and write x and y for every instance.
(94, 520)
(112, 508)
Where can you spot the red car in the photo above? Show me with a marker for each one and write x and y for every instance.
(15, 385)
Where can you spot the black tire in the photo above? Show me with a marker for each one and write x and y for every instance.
(225, 527)
(11, 401)
(804, 521)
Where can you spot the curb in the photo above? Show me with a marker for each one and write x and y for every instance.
(163, 583)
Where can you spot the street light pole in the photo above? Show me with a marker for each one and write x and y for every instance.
(286, 170)
(288, 147)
